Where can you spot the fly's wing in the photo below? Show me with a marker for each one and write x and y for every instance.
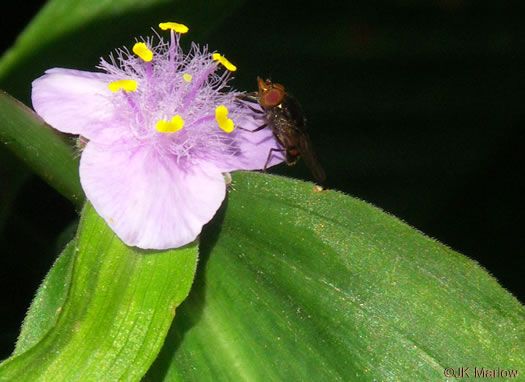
(309, 157)
(295, 115)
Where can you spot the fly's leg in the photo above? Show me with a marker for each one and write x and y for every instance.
(254, 130)
(258, 111)
(252, 98)
(272, 150)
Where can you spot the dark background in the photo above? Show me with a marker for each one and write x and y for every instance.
(413, 106)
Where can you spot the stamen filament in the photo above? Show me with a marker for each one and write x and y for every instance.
(197, 84)
(174, 28)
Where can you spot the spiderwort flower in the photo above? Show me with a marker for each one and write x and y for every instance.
(163, 129)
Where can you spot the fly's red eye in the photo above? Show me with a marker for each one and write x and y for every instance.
(272, 97)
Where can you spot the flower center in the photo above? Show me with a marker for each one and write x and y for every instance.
(172, 98)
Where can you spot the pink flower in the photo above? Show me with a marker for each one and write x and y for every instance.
(162, 129)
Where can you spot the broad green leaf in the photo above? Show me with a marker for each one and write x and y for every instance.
(43, 149)
(120, 303)
(296, 284)
(48, 302)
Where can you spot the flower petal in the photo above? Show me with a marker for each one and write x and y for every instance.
(75, 102)
(146, 198)
(253, 148)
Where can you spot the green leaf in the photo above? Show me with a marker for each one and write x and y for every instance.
(48, 302)
(120, 303)
(295, 284)
(43, 149)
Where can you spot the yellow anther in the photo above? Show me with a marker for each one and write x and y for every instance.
(127, 85)
(226, 125)
(187, 77)
(175, 27)
(221, 112)
(141, 50)
(221, 115)
(175, 124)
(224, 61)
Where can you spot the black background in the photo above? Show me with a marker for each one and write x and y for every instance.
(413, 106)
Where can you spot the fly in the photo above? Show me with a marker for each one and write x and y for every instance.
(284, 116)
